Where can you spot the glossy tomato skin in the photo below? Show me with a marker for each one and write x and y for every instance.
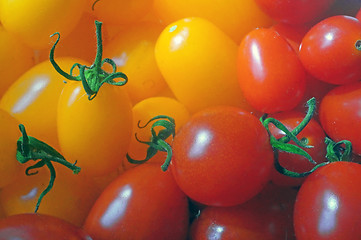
(222, 156)
(315, 136)
(339, 114)
(233, 17)
(143, 203)
(198, 62)
(96, 133)
(32, 226)
(328, 51)
(328, 203)
(270, 74)
(33, 99)
(267, 216)
(294, 12)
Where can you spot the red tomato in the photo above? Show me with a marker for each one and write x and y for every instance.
(222, 156)
(39, 227)
(331, 50)
(339, 114)
(269, 72)
(143, 203)
(268, 216)
(328, 203)
(294, 11)
(315, 136)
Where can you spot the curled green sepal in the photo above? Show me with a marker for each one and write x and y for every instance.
(282, 143)
(338, 151)
(157, 141)
(30, 148)
(92, 77)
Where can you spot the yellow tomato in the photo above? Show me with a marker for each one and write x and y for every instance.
(33, 99)
(143, 112)
(235, 17)
(198, 61)
(34, 21)
(119, 11)
(10, 133)
(15, 59)
(94, 133)
(133, 52)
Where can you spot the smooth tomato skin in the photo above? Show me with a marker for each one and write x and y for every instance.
(32, 226)
(15, 59)
(132, 49)
(94, 133)
(70, 199)
(9, 132)
(33, 99)
(339, 114)
(270, 74)
(34, 21)
(328, 203)
(267, 216)
(142, 203)
(328, 50)
(222, 156)
(235, 18)
(145, 110)
(198, 62)
(294, 12)
(315, 136)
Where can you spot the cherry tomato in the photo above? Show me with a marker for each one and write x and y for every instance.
(143, 111)
(94, 133)
(142, 203)
(294, 12)
(235, 18)
(79, 43)
(198, 61)
(315, 136)
(339, 114)
(331, 50)
(119, 11)
(270, 74)
(328, 203)
(15, 59)
(39, 227)
(222, 156)
(267, 216)
(9, 132)
(34, 21)
(133, 52)
(33, 99)
(70, 199)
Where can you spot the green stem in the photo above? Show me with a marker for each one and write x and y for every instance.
(92, 77)
(30, 148)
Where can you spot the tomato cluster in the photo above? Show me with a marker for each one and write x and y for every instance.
(180, 119)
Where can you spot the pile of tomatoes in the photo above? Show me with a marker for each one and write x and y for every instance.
(116, 88)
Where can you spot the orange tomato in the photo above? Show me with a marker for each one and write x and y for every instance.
(15, 59)
(33, 99)
(133, 52)
(34, 21)
(142, 113)
(70, 199)
(236, 18)
(198, 61)
(9, 132)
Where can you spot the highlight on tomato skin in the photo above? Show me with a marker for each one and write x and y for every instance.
(31, 226)
(222, 156)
